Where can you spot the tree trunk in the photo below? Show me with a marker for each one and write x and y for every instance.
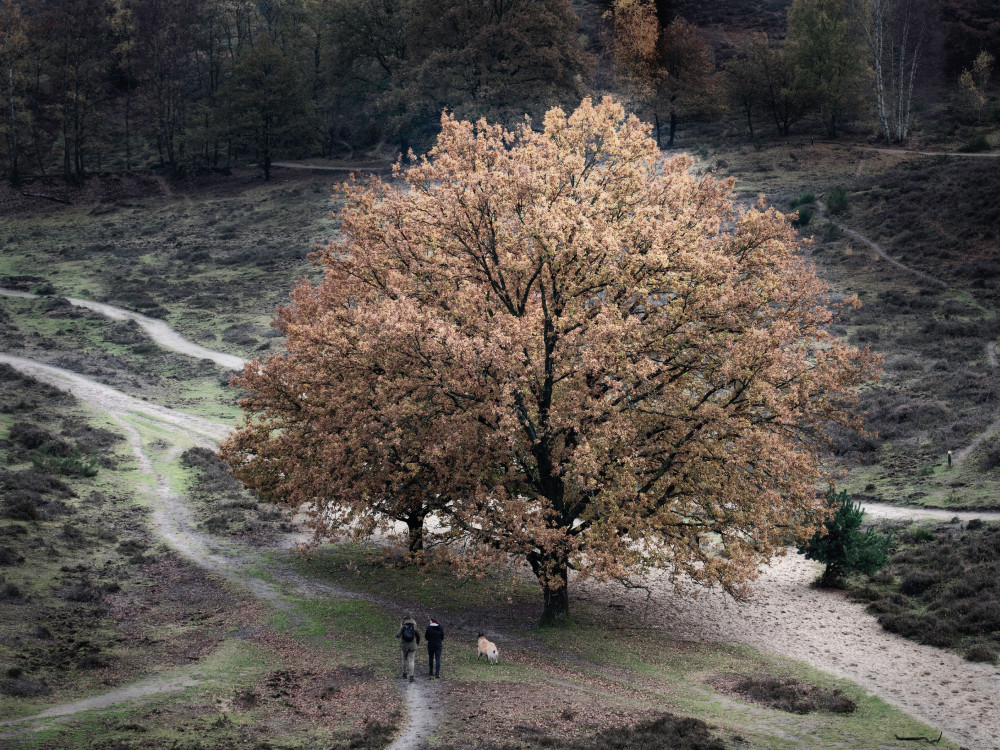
(673, 129)
(555, 611)
(15, 176)
(415, 532)
(656, 118)
(128, 128)
(833, 576)
(552, 569)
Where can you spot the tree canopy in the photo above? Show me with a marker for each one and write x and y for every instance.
(829, 61)
(566, 349)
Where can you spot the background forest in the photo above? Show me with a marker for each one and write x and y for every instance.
(182, 85)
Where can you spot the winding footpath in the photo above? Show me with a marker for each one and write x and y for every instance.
(787, 616)
(157, 330)
(907, 152)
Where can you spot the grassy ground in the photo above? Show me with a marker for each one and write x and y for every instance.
(571, 687)
(221, 504)
(214, 259)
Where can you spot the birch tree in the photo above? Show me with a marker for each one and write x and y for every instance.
(893, 31)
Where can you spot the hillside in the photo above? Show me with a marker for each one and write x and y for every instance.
(149, 600)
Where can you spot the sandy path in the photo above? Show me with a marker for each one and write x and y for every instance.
(157, 330)
(900, 513)
(320, 168)
(115, 402)
(907, 152)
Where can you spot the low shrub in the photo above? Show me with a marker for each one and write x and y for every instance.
(802, 200)
(22, 506)
(830, 232)
(32, 480)
(9, 556)
(941, 588)
(31, 436)
(982, 653)
(925, 628)
(919, 534)
(130, 547)
(784, 694)
(9, 592)
(82, 591)
(22, 687)
(983, 617)
(836, 201)
(72, 464)
(989, 458)
(977, 144)
(803, 217)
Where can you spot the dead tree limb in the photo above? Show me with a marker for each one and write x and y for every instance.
(920, 739)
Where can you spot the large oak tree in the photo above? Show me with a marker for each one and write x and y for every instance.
(567, 350)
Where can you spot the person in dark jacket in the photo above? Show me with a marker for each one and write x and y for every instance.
(409, 639)
(434, 636)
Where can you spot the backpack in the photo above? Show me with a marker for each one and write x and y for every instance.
(408, 633)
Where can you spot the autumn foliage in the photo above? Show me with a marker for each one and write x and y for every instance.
(564, 349)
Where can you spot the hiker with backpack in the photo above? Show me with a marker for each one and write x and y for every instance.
(434, 635)
(409, 639)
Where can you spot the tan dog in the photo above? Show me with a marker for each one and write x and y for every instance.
(488, 649)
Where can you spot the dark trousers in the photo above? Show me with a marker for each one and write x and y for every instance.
(434, 659)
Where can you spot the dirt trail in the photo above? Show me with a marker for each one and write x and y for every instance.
(990, 346)
(115, 402)
(157, 330)
(423, 708)
(822, 210)
(907, 152)
(134, 693)
(900, 513)
(320, 168)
